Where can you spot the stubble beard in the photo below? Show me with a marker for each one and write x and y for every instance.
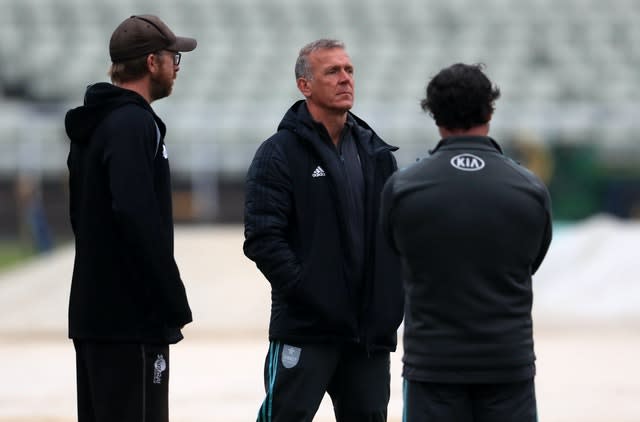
(161, 87)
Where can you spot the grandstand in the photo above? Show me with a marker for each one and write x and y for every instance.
(568, 70)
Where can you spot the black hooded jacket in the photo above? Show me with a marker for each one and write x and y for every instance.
(297, 232)
(126, 285)
(472, 226)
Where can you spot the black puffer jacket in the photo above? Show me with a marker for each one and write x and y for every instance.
(295, 230)
(126, 285)
(472, 227)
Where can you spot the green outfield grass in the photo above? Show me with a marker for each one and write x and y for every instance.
(12, 253)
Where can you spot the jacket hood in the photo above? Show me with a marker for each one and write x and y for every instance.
(298, 120)
(99, 100)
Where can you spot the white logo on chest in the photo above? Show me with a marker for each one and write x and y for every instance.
(318, 172)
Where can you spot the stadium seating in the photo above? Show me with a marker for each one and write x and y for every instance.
(565, 67)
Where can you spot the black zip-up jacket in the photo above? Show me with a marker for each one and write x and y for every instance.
(296, 232)
(472, 227)
(126, 285)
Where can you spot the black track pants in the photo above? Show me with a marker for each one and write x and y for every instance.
(506, 402)
(122, 382)
(297, 377)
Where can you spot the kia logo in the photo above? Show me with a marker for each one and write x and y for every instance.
(467, 162)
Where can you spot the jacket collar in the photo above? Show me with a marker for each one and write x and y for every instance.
(299, 120)
(482, 143)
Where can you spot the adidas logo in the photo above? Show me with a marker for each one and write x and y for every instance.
(318, 172)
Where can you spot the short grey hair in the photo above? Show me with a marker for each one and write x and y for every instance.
(303, 68)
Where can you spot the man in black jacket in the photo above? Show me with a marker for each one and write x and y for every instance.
(472, 227)
(127, 301)
(311, 226)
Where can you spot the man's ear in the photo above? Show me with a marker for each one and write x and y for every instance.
(304, 86)
(152, 63)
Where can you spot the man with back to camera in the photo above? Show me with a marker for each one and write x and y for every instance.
(128, 302)
(472, 227)
(311, 226)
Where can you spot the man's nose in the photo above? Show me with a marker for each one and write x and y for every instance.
(345, 76)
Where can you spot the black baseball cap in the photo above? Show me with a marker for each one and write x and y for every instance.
(145, 34)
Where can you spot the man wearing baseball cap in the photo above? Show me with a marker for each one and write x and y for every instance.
(127, 301)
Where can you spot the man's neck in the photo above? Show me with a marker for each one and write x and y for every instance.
(139, 86)
(333, 121)
(480, 130)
